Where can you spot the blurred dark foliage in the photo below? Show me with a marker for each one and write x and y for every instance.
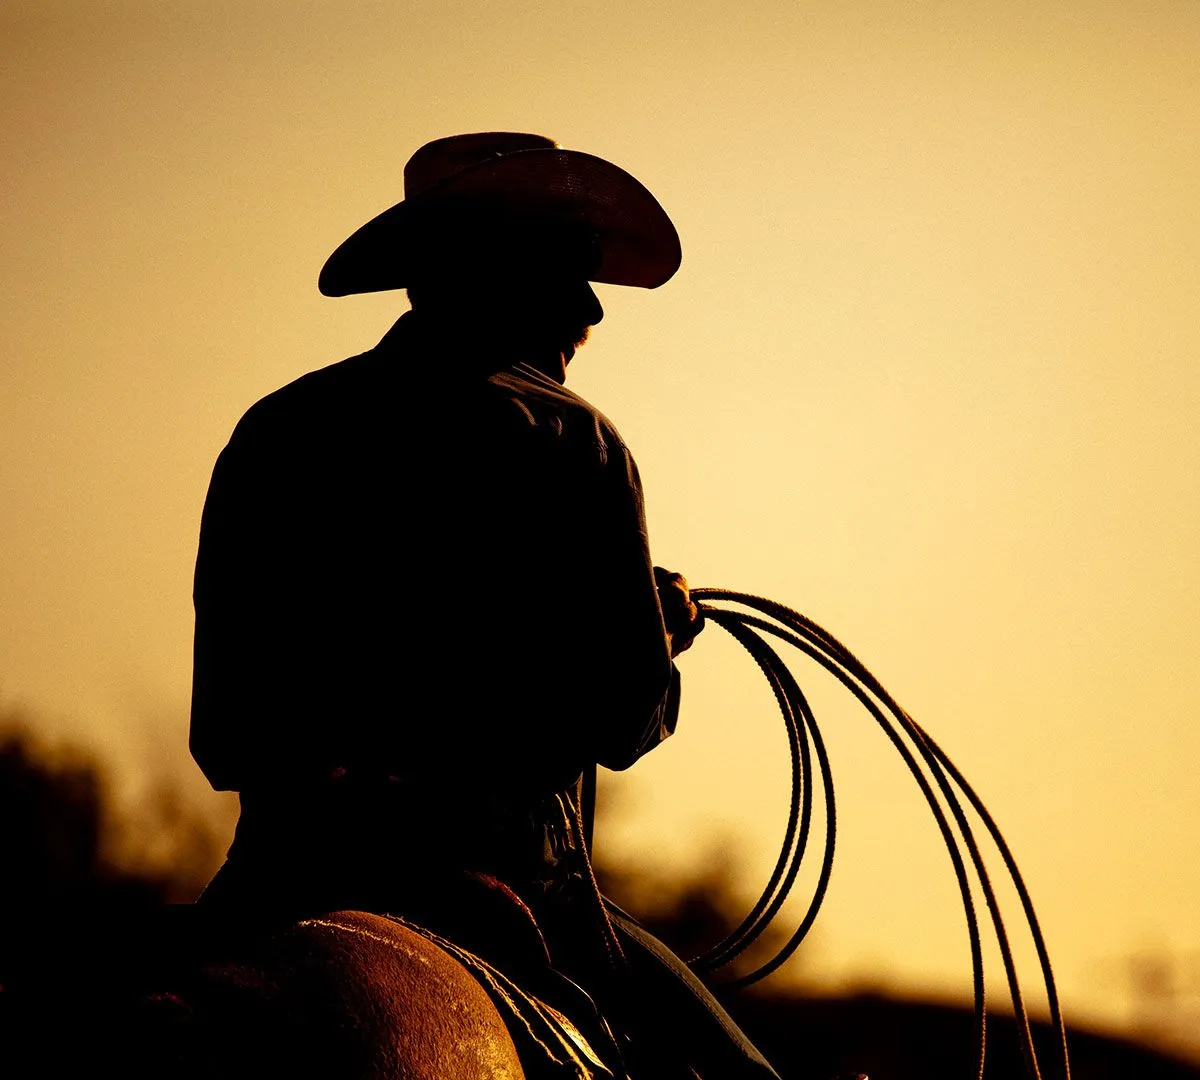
(65, 840)
(68, 849)
(77, 866)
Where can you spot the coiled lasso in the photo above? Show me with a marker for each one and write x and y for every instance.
(752, 621)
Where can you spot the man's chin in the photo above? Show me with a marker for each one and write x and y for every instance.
(568, 344)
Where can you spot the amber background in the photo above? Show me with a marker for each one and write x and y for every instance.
(928, 373)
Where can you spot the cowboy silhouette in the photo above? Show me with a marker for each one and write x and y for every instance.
(426, 610)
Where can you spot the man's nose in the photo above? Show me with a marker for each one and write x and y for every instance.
(590, 305)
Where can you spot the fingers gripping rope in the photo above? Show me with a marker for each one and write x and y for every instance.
(751, 621)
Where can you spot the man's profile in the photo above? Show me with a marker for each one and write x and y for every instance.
(426, 609)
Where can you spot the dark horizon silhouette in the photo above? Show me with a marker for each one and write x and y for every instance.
(62, 830)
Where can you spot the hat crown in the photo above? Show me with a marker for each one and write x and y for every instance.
(438, 161)
(506, 179)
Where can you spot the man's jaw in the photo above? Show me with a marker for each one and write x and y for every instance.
(549, 351)
(560, 354)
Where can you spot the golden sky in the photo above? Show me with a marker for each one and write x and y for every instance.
(928, 373)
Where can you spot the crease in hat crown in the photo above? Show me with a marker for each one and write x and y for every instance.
(515, 173)
(440, 160)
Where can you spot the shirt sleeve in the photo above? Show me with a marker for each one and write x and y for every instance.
(631, 649)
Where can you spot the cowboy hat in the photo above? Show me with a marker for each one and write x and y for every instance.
(456, 187)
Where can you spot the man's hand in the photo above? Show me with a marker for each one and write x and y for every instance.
(682, 618)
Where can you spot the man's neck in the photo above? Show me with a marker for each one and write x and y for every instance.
(496, 344)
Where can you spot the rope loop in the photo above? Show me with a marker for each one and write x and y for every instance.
(752, 621)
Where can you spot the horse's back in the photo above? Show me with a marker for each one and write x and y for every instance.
(348, 995)
(367, 995)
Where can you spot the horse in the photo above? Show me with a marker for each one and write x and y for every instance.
(348, 994)
(332, 944)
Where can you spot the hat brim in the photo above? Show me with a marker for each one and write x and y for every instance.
(636, 243)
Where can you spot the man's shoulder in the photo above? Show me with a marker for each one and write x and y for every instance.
(397, 381)
(541, 403)
(316, 394)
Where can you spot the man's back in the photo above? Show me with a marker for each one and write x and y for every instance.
(409, 557)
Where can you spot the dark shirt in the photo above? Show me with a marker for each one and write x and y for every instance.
(415, 564)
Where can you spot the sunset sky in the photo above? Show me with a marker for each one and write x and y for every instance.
(928, 373)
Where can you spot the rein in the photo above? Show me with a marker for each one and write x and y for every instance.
(751, 621)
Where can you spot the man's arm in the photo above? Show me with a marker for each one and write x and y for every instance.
(650, 620)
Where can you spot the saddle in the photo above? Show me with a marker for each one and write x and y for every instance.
(604, 995)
